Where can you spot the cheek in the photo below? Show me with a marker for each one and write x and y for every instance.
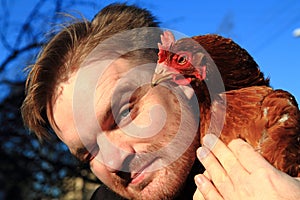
(156, 119)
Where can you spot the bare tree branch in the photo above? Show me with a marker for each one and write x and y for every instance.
(27, 23)
(33, 170)
(5, 23)
(15, 53)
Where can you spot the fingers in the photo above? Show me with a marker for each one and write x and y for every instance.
(253, 160)
(205, 173)
(198, 195)
(222, 167)
(213, 168)
(223, 153)
(206, 189)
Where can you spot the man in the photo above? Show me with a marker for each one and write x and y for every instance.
(91, 86)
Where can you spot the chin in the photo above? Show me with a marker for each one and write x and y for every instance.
(167, 183)
(162, 187)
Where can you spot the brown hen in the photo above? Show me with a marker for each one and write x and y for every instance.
(267, 119)
(236, 66)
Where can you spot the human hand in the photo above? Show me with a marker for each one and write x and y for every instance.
(236, 171)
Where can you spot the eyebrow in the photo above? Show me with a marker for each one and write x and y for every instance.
(106, 119)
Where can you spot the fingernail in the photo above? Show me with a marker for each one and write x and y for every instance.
(210, 140)
(202, 152)
(199, 180)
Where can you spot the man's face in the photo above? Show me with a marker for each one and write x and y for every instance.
(139, 141)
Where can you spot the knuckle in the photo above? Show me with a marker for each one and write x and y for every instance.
(222, 180)
(230, 162)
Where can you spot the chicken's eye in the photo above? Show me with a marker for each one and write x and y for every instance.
(182, 59)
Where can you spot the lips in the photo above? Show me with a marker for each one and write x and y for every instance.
(139, 176)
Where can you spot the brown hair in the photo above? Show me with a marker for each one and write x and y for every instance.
(66, 50)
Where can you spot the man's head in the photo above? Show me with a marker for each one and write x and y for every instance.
(139, 141)
(66, 51)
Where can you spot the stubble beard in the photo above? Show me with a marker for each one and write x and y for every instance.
(168, 182)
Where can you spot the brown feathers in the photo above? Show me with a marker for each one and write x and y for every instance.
(267, 119)
(237, 67)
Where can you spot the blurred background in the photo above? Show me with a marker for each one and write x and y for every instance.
(269, 30)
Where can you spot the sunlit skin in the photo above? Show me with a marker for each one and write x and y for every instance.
(148, 177)
(237, 171)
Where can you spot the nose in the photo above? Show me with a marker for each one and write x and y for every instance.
(114, 155)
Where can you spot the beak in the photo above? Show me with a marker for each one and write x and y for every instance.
(162, 73)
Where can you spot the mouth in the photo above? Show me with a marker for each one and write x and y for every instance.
(143, 173)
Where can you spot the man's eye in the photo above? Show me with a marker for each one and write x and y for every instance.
(123, 117)
(124, 114)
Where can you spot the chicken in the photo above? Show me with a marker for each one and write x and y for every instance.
(235, 65)
(267, 119)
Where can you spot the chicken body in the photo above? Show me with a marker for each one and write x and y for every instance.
(267, 119)
(236, 66)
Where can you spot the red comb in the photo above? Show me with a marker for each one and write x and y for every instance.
(167, 39)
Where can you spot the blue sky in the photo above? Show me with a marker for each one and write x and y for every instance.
(264, 28)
